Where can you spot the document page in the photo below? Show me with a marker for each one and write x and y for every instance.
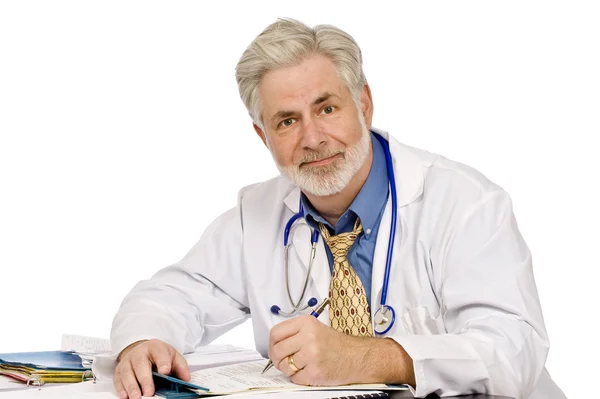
(83, 344)
(219, 355)
(247, 376)
(240, 377)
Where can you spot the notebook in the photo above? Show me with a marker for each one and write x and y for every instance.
(246, 378)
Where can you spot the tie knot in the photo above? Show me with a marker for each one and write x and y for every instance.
(340, 244)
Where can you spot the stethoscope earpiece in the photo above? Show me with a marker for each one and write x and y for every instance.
(275, 309)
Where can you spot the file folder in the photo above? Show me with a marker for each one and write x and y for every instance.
(174, 388)
(37, 368)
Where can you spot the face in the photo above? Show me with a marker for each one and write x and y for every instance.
(317, 136)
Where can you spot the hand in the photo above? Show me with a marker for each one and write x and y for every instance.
(323, 355)
(135, 367)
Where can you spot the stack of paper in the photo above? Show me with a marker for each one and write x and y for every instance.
(203, 357)
(220, 355)
(85, 347)
(248, 377)
(42, 367)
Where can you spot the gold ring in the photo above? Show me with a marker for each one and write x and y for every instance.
(292, 365)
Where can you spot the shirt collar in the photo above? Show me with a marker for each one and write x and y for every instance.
(369, 202)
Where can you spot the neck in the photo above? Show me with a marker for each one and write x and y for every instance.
(332, 207)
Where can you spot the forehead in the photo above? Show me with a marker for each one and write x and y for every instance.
(297, 86)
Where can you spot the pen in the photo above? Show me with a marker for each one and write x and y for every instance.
(314, 313)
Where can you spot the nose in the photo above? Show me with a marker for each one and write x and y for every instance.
(313, 136)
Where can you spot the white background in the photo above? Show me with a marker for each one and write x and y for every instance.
(122, 136)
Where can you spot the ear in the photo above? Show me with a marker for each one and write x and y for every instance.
(367, 105)
(261, 134)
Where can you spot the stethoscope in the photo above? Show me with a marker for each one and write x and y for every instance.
(385, 316)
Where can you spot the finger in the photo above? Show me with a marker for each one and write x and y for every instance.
(286, 329)
(285, 368)
(129, 381)
(181, 369)
(119, 388)
(161, 355)
(302, 378)
(287, 347)
(142, 367)
(302, 357)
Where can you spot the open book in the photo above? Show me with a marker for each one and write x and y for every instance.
(247, 377)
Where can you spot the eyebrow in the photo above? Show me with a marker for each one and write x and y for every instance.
(321, 99)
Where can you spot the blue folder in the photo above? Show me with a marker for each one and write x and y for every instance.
(174, 388)
(50, 360)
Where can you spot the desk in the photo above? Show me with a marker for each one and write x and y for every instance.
(103, 390)
(404, 394)
(103, 387)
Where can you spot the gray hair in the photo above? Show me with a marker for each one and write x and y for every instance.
(288, 42)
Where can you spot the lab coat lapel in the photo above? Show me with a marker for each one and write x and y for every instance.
(408, 175)
(300, 254)
(408, 170)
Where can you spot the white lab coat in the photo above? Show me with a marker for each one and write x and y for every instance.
(467, 308)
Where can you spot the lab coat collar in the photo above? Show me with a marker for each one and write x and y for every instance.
(407, 169)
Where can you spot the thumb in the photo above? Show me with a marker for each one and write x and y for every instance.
(180, 367)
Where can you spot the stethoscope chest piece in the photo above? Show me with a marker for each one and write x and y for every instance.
(384, 319)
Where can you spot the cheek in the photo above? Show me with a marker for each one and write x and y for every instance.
(343, 130)
(283, 153)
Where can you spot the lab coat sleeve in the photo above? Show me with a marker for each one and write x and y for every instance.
(495, 340)
(194, 301)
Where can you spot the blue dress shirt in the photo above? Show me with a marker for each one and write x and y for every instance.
(368, 205)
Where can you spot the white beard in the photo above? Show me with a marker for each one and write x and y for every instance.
(334, 177)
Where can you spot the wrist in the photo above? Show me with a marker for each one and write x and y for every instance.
(363, 357)
(386, 361)
(128, 348)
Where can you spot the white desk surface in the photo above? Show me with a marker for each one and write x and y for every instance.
(104, 390)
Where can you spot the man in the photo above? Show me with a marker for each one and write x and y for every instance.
(466, 314)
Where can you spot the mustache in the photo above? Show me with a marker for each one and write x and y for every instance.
(318, 156)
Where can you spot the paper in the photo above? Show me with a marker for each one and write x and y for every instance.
(108, 394)
(203, 357)
(247, 377)
(240, 377)
(81, 344)
(212, 349)
(85, 347)
(305, 394)
(214, 356)
(105, 390)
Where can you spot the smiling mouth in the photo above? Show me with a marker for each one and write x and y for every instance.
(321, 162)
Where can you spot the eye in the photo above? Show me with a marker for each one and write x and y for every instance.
(287, 122)
(328, 109)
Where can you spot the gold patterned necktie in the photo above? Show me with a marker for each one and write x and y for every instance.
(349, 309)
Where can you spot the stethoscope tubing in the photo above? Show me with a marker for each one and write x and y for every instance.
(390, 251)
(315, 237)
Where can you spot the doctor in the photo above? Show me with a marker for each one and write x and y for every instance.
(429, 279)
